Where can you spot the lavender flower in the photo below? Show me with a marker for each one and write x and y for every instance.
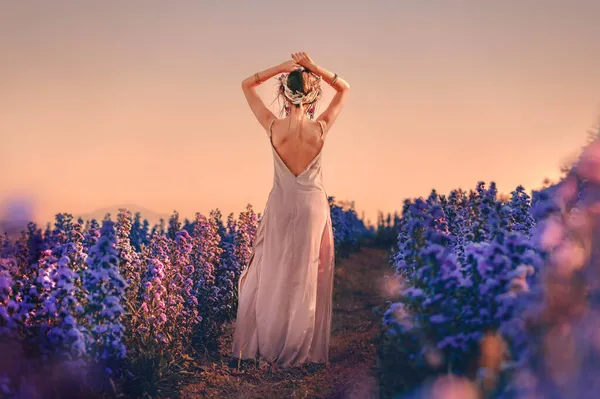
(105, 287)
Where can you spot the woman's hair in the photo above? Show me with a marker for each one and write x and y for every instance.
(300, 80)
(299, 87)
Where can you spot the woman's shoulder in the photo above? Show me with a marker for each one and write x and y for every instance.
(284, 121)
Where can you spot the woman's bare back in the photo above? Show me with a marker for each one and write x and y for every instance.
(297, 151)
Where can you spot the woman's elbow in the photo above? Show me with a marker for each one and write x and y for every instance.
(344, 87)
(247, 82)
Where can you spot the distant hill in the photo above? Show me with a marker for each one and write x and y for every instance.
(98, 214)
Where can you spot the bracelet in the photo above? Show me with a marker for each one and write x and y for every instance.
(256, 77)
(334, 78)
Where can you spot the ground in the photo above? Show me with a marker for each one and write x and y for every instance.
(352, 371)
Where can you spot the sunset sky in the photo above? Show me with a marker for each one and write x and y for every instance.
(113, 102)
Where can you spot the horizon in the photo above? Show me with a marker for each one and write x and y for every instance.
(100, 212)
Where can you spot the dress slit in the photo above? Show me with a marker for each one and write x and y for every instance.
(319, 352)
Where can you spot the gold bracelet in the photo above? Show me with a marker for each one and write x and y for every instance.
(256, 77)
(334, 78)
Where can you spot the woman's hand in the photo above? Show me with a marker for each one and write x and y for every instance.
(303, 59)
(289, 66)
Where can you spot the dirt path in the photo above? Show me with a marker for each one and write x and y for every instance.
(352, 372)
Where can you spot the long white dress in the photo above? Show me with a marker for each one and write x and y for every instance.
(285, 292)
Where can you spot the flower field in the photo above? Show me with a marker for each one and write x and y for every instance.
(118, 308)
(489, 295)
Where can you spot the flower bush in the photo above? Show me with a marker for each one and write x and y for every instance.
(460, 261)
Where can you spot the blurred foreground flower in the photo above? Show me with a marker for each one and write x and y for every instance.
(563, 325)
(448, 387)
(493, 355)
(15, 214)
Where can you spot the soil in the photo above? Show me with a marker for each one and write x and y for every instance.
(352, 371)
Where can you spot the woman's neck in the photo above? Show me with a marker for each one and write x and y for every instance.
(297, 113)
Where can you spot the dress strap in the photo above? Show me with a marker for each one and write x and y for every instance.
(322, 128)
(270, 127)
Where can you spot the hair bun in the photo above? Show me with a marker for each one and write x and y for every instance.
(311, 87)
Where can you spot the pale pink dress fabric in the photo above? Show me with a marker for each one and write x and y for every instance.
(285, 292)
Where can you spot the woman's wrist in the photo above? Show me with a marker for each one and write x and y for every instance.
(314, 68)
(262, 76)
(281, 67)
(332, 79)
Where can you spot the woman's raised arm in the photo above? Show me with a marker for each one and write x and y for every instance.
(258, 107)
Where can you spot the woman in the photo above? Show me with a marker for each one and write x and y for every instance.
(285, 292)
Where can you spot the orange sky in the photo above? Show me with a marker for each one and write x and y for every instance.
(140, 101)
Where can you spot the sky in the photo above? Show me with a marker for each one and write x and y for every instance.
(139, 102)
